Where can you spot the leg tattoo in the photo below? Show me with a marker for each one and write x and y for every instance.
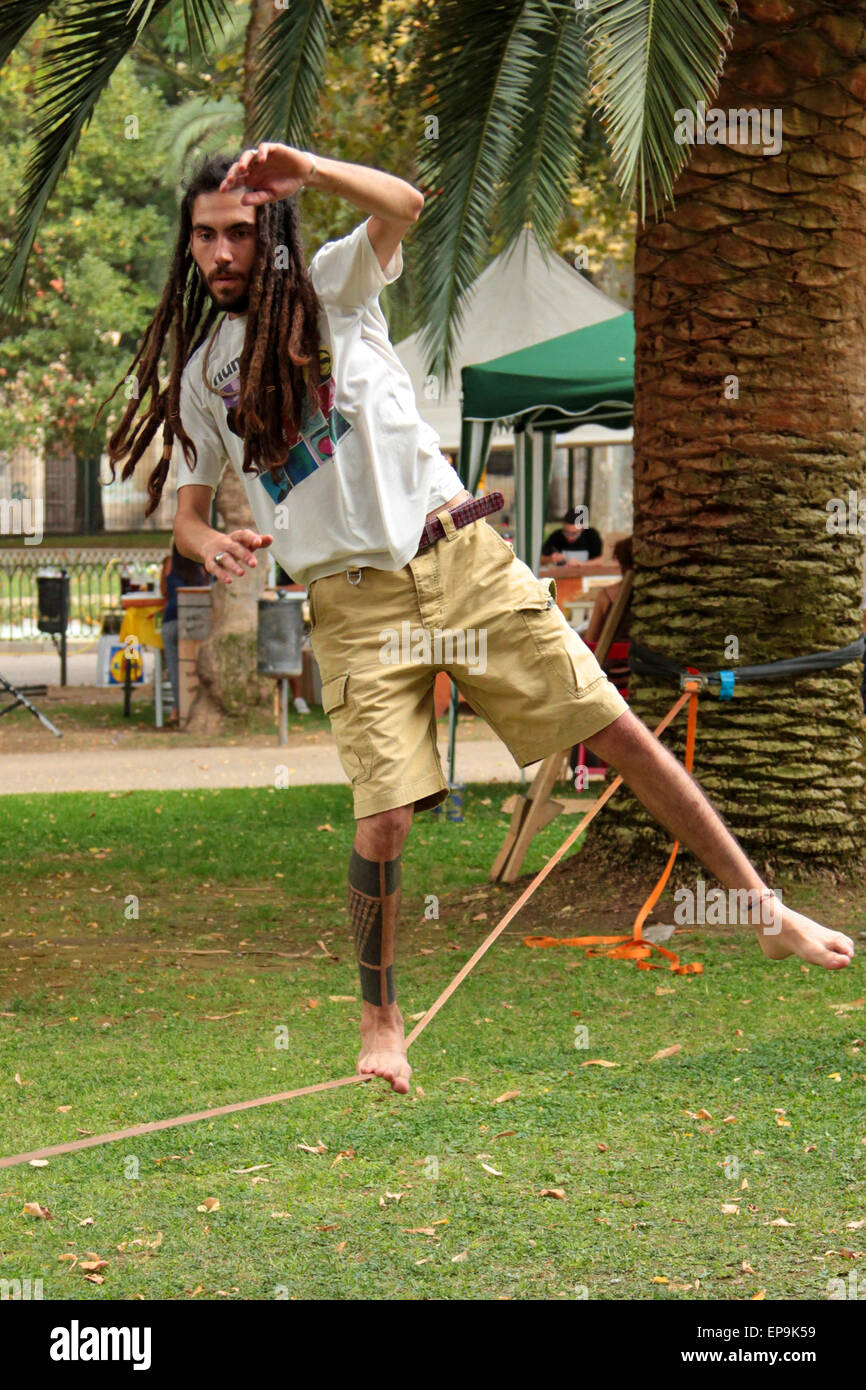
(374, 902)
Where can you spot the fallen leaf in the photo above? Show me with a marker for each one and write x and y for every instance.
(747, 1268)
(418, 1230)
(342, 998)
(39, 1163)
(730, 1209)
(660, 1279)
(93, 1265)
(759, 1296)
(506, 1095)
(319, 1149)
(494, 1172)
(855, 1225)
(456, 1259)
(667, 1052)
(325, 827)
(63, 1109)
(209, 1204)
(599, 1062)
(780, 1221)
(34, 1209)
(254, 1169)
(95, 1278)
(558, 1192)
(602, 1148)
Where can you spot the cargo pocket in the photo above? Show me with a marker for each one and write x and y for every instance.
(354, 745)
(552, 638)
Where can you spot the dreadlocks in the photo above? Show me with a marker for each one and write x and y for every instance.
(281, 339)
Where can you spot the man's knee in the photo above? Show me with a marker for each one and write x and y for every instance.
(626, 734)
(382, 835)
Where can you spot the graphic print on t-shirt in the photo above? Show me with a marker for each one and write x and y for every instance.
(319, 435)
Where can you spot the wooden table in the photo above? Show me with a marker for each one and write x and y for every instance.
(570, 578)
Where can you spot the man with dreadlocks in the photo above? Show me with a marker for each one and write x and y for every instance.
(289, 372)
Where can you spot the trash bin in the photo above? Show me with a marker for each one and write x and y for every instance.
(280, 633)
(53, 591)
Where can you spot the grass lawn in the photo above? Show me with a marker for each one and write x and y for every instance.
(108, 1019)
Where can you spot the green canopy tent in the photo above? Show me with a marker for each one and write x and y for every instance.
(580, 378)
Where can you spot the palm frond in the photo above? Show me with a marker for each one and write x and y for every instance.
(546, 151)
(196, 124)
(85, 47)
(89, 40)
(291, 69)
(18, 16)
(652, 58)
(204, 19)
(479, 67)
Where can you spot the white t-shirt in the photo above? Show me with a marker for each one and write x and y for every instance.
(358, 483)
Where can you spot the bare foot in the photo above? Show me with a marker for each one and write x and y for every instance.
(383, 1046)
(792, 934)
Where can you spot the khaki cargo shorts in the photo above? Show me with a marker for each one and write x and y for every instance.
(466, 605)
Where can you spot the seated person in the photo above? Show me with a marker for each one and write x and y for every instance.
(606, 597)
(572, 535)
(616, 668)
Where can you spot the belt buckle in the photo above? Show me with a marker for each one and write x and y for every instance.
(356, 571)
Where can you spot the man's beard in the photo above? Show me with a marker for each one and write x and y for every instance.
(239, 305)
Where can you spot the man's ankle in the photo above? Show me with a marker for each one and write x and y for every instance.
(381, 1013)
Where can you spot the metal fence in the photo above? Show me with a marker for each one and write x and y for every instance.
(94, 585)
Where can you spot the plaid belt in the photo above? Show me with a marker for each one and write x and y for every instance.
(462, 515)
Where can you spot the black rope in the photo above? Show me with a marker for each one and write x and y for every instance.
(647, 662)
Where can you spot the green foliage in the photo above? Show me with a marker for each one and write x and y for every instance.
(651, 60)
(98, 264)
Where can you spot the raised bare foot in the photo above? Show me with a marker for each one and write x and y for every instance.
(383, 1046)
(792, 934)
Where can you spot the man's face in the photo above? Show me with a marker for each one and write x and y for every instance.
(223, 246)
(570, 531)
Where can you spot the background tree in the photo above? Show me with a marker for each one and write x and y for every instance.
(95, 269)
(750, 391)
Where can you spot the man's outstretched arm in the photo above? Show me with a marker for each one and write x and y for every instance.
(272, 171)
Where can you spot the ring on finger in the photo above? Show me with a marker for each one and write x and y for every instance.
(217, 558)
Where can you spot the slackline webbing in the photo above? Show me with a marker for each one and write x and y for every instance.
(91, 1140)
(645, 661)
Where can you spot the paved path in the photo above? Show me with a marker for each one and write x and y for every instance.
(164, 769)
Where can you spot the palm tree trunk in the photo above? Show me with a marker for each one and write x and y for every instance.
(750, 386)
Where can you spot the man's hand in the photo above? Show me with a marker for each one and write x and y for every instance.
(235, 550)
(270, 172)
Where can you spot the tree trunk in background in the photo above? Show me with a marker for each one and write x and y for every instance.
(229, 683)
(760, 274)
(226, 666)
